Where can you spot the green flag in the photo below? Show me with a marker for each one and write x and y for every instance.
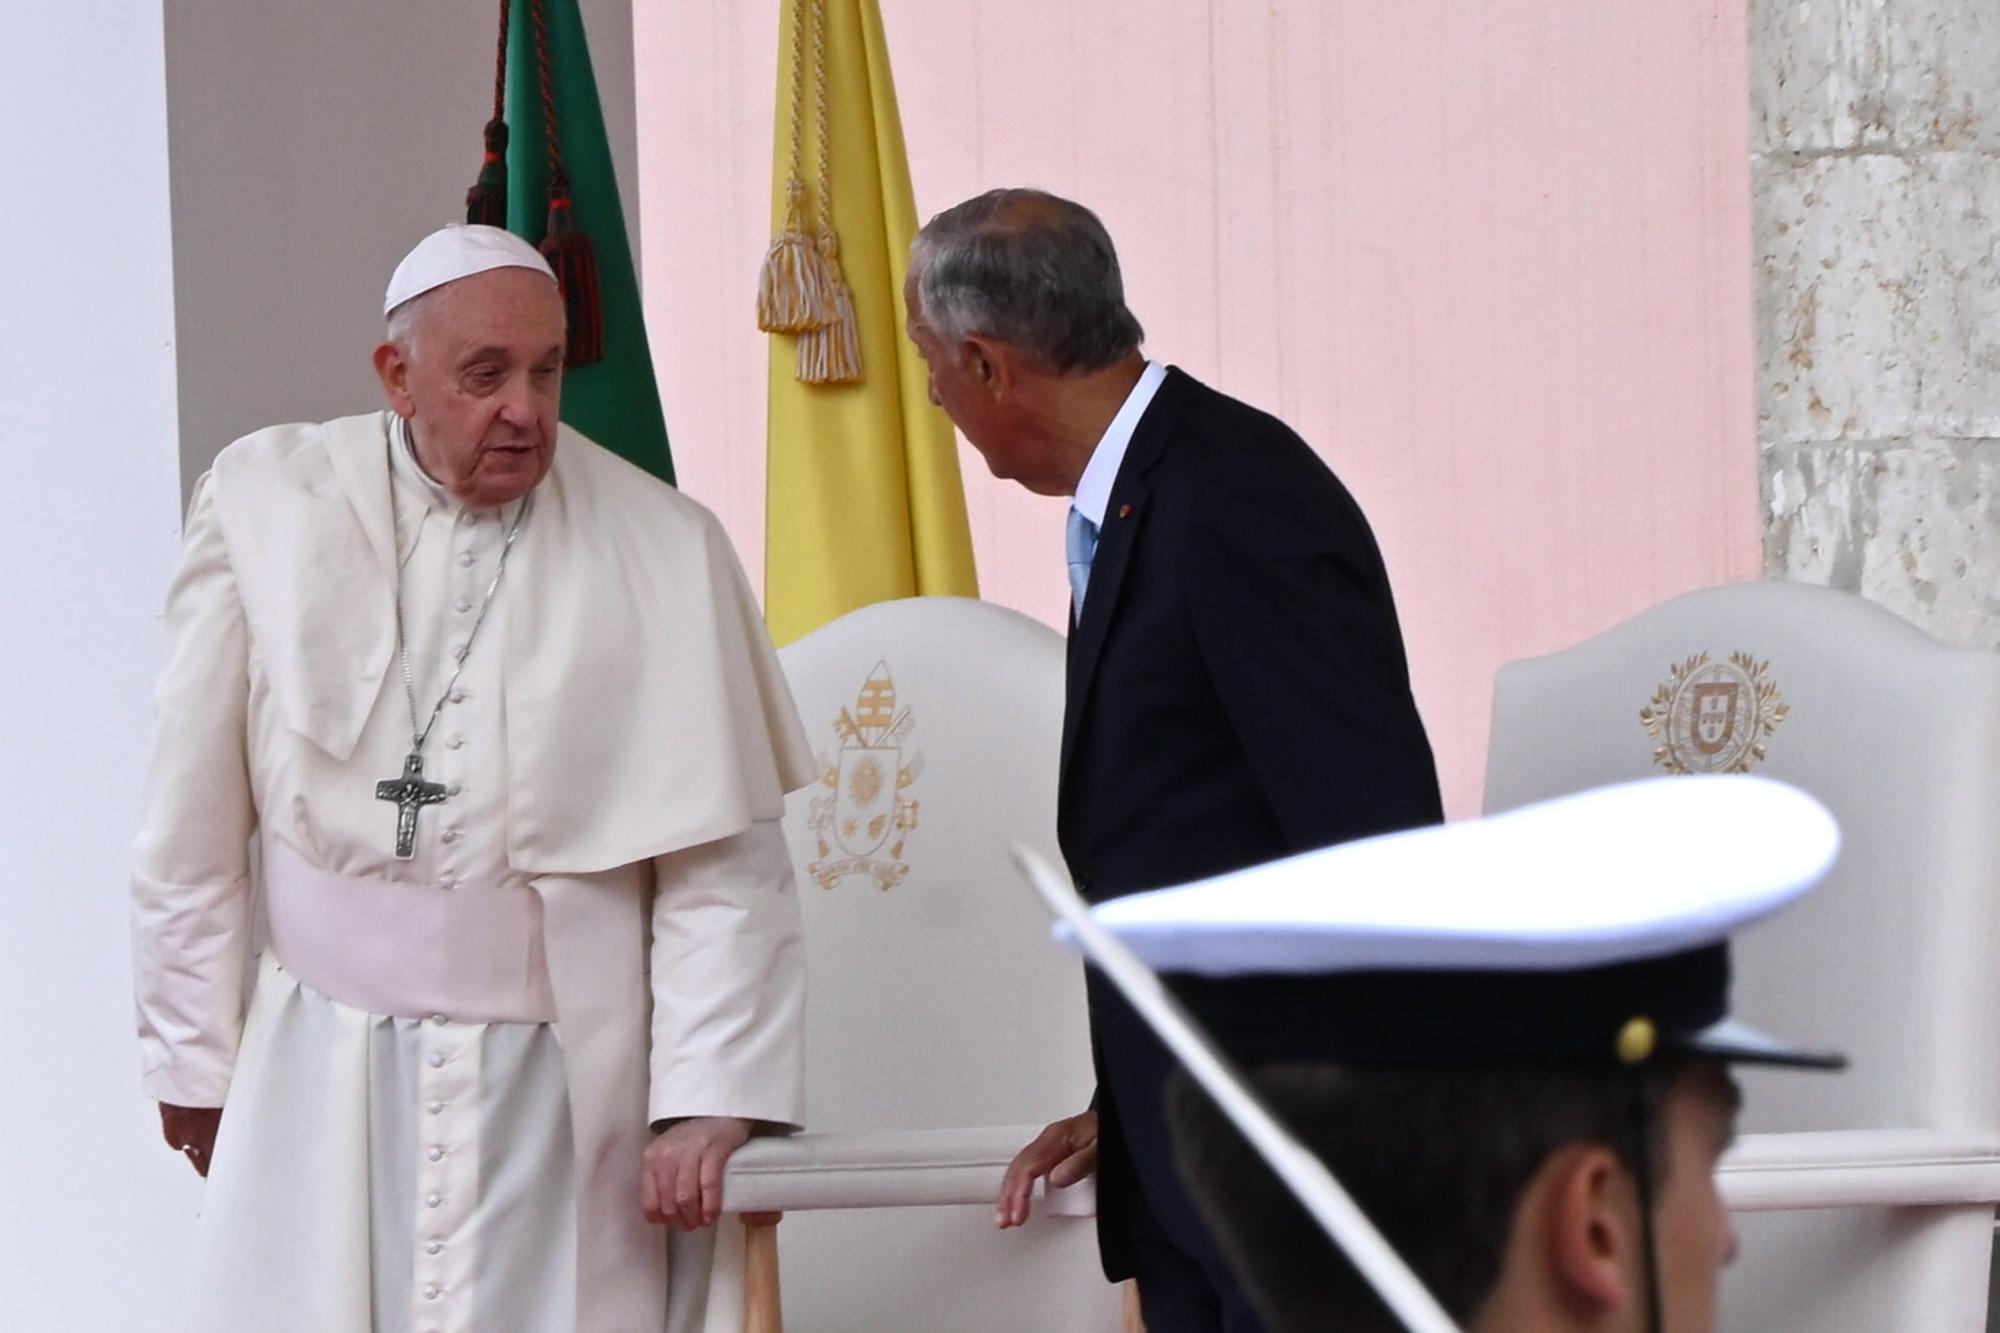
(614, 400)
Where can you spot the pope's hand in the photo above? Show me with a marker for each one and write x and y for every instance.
(190, 1131)
(680, 1183)
(1065, 1152)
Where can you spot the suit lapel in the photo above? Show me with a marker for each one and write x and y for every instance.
(1123, 517)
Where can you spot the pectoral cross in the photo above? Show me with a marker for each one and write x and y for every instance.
(411, 794)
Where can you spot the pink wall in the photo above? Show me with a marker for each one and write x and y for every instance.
(1491, 258)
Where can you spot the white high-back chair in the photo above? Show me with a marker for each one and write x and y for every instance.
(1866, 1199)
(944, 1027)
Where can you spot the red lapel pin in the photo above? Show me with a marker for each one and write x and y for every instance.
(1124, 511)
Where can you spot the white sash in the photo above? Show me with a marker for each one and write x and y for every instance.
(474, 955)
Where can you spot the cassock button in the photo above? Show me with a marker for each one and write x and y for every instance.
(437, 1059)
(433, 1200)
(452, 835)
(465, 558)
(432, 1292)
(439, 1019)
(458, 696)
(463, 605)
(435, 1108)
(453, 790)
(455, 743)
(435, 1247)
(436, 1153)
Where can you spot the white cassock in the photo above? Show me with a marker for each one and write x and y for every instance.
(437, 1095)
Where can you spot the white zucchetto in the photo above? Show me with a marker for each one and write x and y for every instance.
(459, 251)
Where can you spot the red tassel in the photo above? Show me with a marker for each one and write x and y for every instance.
(570, 254)
(486, 201)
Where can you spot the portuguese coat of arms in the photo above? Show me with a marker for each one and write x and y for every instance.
(864, 818)
(1714, 717)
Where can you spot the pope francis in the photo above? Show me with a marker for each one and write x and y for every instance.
(466, 940)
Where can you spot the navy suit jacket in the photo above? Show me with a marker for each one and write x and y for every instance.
(1237, 692)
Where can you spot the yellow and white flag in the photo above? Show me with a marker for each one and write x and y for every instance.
(863, 501)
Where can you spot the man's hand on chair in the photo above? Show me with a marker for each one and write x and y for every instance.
(1065, 1152)
(680, 1183)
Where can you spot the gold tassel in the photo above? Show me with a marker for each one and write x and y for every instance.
(801, 290)
(792, 288)
(831, 353)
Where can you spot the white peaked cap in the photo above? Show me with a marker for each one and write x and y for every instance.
(1537, 933)
(459, 251)
(1606, 876)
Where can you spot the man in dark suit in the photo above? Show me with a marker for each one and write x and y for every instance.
(1237, 684)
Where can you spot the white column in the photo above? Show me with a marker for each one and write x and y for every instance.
(96, 1227)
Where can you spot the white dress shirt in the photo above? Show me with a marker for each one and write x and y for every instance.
(1093, 490)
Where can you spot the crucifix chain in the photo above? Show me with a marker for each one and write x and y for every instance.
(410, 791)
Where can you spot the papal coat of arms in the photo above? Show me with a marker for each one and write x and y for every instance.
(864, 818)
(1714, 717)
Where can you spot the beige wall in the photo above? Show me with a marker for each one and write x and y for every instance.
(1491, 258)
(311, 145)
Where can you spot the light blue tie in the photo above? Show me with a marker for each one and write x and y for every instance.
(1080, 545)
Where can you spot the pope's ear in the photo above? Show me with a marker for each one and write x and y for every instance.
(392, 367)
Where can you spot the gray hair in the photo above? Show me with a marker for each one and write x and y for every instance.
(400, 325)
(1028, 268)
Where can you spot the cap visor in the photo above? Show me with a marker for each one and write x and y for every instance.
(1740, 1044)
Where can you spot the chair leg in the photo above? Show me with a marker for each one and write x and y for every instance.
(761, 1312)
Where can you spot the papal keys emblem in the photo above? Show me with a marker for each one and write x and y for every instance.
(1714, 717)
(864, 819)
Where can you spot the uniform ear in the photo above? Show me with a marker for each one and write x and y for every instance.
(1586, 1207)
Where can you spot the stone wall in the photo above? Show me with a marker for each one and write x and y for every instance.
(1875, 145)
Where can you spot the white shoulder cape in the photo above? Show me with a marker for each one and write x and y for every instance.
(646, 711)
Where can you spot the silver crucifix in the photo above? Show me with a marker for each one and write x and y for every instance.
(411, 794)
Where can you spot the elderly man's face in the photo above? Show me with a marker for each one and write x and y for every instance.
(481, 382)
(969, 400)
